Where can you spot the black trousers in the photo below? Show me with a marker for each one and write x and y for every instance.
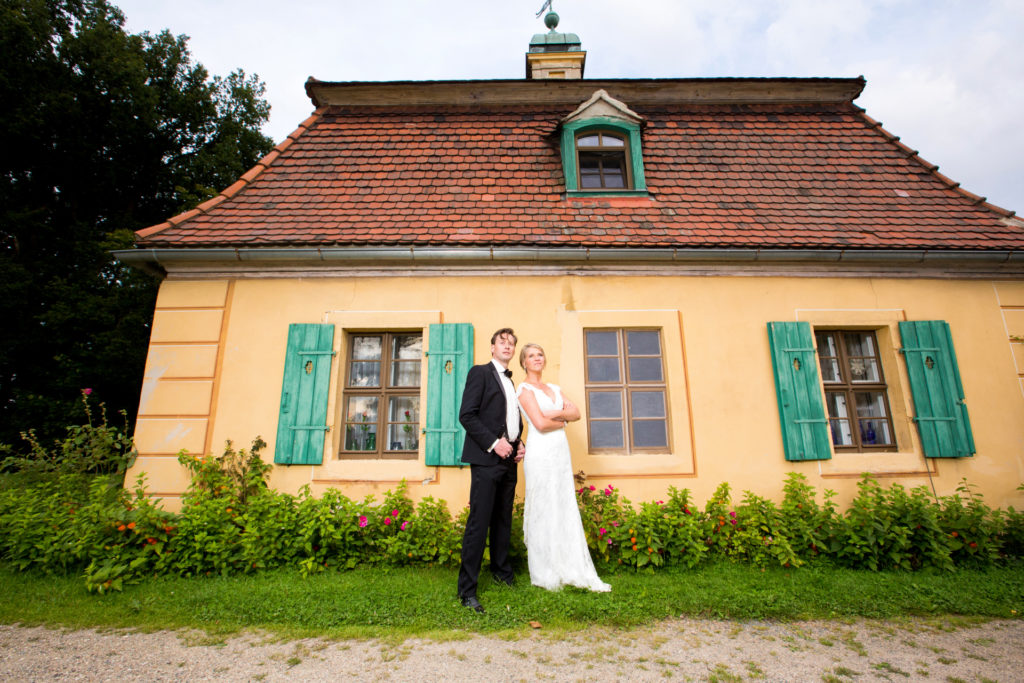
(492, 492)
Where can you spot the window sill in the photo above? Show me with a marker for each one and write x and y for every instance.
(410, 455)
(575, 194)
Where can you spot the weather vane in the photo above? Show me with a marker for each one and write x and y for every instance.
(546, 5)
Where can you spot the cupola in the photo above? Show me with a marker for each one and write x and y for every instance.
(554, 54)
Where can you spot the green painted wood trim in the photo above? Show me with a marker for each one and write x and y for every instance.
(937, 389)
(805, 434)
(449, 357)
(302, 419)
(636, 156)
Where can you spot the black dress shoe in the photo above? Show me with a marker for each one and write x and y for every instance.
(471, 602)
(508, 582)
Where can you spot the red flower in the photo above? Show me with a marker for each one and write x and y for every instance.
(87, 391)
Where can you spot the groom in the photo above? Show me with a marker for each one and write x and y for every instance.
(490, 414)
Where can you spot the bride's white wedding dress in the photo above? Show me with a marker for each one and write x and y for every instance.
(556, 546)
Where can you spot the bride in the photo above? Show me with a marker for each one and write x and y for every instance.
(556, 546)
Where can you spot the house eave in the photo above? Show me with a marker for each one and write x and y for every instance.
(162, 260)
(634, 91)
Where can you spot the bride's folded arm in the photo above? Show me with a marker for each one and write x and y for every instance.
(570, 411)
(537, 417)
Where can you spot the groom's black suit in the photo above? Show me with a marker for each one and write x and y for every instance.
(493, 479)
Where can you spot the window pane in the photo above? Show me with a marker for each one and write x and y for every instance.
(364, 374)
(841, 434)
(645, 369)
(603, 369)
(588, 141)
(361, 424)
(612, 141)
(408, 346)
(405, 373)
(828, 357)
(836, 404)
(603, 343)
(643, 343)
(590, 163)
(649, 434)
(863, 370)
(647, 403)
(588, 181)
(366, 348)
(604, 404)
(404, 416)
(875, 433)
(826, 344)
(860, 344)
(870, 404)
(606, 434)
(614, 178)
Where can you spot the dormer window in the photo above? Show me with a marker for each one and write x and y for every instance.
(601, 152)
(603, 160)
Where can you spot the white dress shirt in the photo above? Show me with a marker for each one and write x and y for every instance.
(511, 404)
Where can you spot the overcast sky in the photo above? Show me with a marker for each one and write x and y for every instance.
(947, 76)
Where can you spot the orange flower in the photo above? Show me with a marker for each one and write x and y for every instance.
(633, 539)
(131, 525)
(121, 528)
(634, 547)
(650, 550)
(954, 534)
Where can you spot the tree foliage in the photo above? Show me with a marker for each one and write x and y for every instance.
(104, 132)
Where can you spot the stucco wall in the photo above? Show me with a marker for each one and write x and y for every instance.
(217, 352)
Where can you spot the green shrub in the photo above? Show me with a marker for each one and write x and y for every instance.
(232, 523)
(973, 529)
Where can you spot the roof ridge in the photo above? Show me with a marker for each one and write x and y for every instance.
(914, 155)
(244, 180)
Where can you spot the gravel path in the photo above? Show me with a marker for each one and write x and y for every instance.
(686, 649)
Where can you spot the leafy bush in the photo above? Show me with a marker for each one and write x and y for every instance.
(232, 523)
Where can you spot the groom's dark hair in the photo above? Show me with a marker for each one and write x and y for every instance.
(501, 333)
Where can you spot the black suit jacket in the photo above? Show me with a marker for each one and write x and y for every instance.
(483, 415)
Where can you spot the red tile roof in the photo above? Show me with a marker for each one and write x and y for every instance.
(770, 175)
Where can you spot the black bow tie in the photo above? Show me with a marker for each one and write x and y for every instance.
(507, 373)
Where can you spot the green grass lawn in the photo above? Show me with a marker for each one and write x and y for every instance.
(389, 602)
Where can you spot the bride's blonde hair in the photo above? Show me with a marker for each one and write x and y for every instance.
(526, 347)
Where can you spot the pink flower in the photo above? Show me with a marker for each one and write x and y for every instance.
(362, 520)
(394, 513)
(87, 391)
(732, 521)
(661, 502)
(403, 525)
(593, 488)
(387, 520)
(602, 531)
(607, 492)
(733, 515)
(615, 523)
(609, 541)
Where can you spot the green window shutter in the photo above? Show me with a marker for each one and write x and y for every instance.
(798, 389)
(940, 411)
(449, 358)
(302, 422)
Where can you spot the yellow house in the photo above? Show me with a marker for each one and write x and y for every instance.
(734, 278)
